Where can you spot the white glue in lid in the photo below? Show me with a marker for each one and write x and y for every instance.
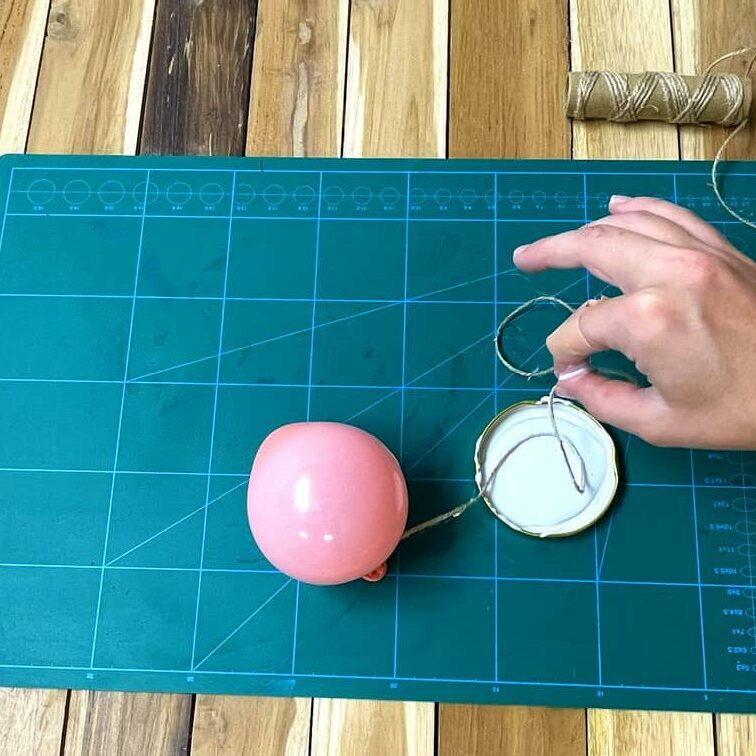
(532, 490)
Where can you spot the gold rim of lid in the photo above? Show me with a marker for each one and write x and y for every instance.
(601, 433)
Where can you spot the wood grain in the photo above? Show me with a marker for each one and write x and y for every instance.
(511, 731)
(605, 36)
(626, 35)
(126, 724)
(502, 110)
(618, 733)
(704, 30)
(198, 83)
(31, 721)
(297, 101)
(736, 734)
(368, 727)
(395, 105)
(91, 82)
(229, 725)
(499, 109)
(295, 108)
(397, 79)
(22, 29)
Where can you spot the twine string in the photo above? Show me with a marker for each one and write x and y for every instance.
(627, 101)
(733, 134)
(578, 479)
(682, 106)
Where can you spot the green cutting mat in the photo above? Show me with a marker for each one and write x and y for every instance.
(160, 316)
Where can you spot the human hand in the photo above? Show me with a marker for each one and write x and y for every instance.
(686, 318)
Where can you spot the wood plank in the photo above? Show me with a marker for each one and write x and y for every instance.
(127, 723)
(607, 37)
(22, 29)
(659, 733)
(198, 84)
(369, 727)
(31, 721)
(230, 725)
(626, 35)
(736, 734)
(499, 109)
(296, 107)
(703, 32)
(91, 82)
(395, 105)
(511, 731)
(397, 79)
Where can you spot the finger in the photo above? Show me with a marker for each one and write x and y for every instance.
(654, 226)
(617, 256)
(636, 410)
(695, 226)
(595, 327)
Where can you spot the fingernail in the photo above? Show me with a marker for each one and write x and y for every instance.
(517, 252)
(572, 371)
(617, 199)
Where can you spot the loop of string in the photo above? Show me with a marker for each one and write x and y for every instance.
(737, 130)
(578, 479)
(628, 102)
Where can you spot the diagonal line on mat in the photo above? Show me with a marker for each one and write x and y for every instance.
(371, 405)
(422, 375)
(239, 627)
(175, 523)
(561, 291)
(300, 331)
(472, 281)
(468, 415)
(448, 359)
(450, 431)
(510, 376)
(611, 518)
(264, 341)
(606, 543)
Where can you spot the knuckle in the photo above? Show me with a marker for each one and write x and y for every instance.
(595, 232)
(654, 315)
(651, 305)
(701, 269)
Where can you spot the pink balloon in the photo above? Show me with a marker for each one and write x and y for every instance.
(327, 502)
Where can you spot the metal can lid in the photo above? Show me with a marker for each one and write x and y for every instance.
(532, 490)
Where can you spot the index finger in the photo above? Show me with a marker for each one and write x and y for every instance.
(616, 255)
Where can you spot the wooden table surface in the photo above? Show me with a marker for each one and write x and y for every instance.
(435, 78)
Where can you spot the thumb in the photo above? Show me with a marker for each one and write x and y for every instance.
(636, 410)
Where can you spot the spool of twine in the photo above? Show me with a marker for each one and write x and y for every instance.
(723, 99)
